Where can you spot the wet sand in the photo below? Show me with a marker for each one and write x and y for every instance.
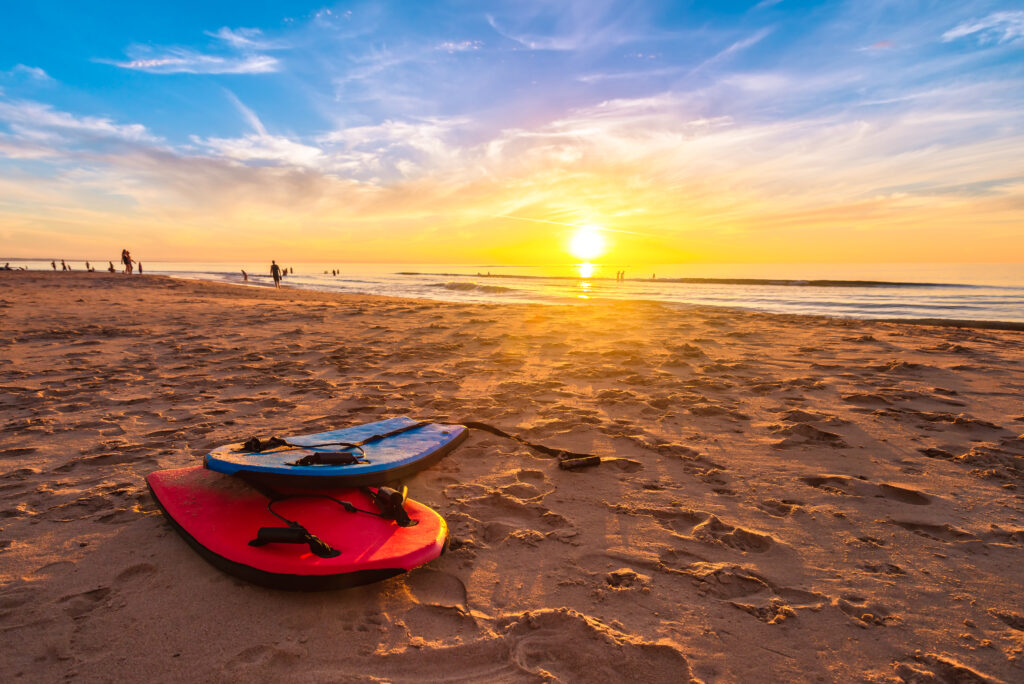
(780, 498)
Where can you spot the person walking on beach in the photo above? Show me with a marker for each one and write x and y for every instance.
(140, 268)
(54, 264)
(275, 271)
(63, 266)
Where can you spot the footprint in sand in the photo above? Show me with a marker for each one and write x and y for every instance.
(499, 518)
(851, 486)
(714, 531)
(703, 527)
(805, 434)
(79, 605)
(863, 613)
(939, 532)
(1009, 618)
(931, 667)
(780, 508)
(560, 644)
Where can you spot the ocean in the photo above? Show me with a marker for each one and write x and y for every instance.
(963, 292)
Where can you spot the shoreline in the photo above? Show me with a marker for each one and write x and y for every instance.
(1014, 326)
(817, 498)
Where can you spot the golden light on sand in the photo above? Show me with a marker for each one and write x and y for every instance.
(587, 243)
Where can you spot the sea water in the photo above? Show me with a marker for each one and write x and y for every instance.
(975, 292)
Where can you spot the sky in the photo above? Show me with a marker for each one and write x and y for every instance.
(486, 132)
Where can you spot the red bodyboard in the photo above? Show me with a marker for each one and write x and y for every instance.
(219, 514)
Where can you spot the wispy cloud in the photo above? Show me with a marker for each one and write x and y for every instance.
(735, 47)
(260, 146)
(183, 61)
(998, 27)
(243, 53)
(38, 120)
(242, 38)
(29, 72)
(451, 46)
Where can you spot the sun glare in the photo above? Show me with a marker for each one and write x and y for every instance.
(587, 243)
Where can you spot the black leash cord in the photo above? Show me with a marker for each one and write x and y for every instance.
(562, 454)
(567, 460)
(348, 506)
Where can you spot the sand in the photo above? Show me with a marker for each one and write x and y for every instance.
(781, 498)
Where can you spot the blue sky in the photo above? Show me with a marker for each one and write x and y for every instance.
(352, 125)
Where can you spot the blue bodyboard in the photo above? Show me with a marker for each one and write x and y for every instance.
(388, 459)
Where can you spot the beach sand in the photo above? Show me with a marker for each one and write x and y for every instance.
(781, 498)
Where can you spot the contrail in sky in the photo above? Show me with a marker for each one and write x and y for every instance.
(571, 225)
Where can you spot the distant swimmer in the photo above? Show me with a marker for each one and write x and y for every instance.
(275, 271)
(245, 276)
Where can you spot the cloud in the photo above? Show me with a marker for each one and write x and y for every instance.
(998, 27)
(241, 38)
(183, 61)
(247, 114)
(571, 25)
(32, 73)
(264, 148)
(450, 46)
(245, 55)
(260, 146)
(37, 120)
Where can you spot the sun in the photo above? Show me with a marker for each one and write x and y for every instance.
(587, 243)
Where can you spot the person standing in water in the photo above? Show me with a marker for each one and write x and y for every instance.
(275, 271)
(245, 276)
(140, 268)
(54, 264)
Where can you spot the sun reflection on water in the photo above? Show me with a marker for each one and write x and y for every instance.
(586, 270)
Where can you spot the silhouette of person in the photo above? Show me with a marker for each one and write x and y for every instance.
(275, 271)
(245, 276)
(54, 264)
